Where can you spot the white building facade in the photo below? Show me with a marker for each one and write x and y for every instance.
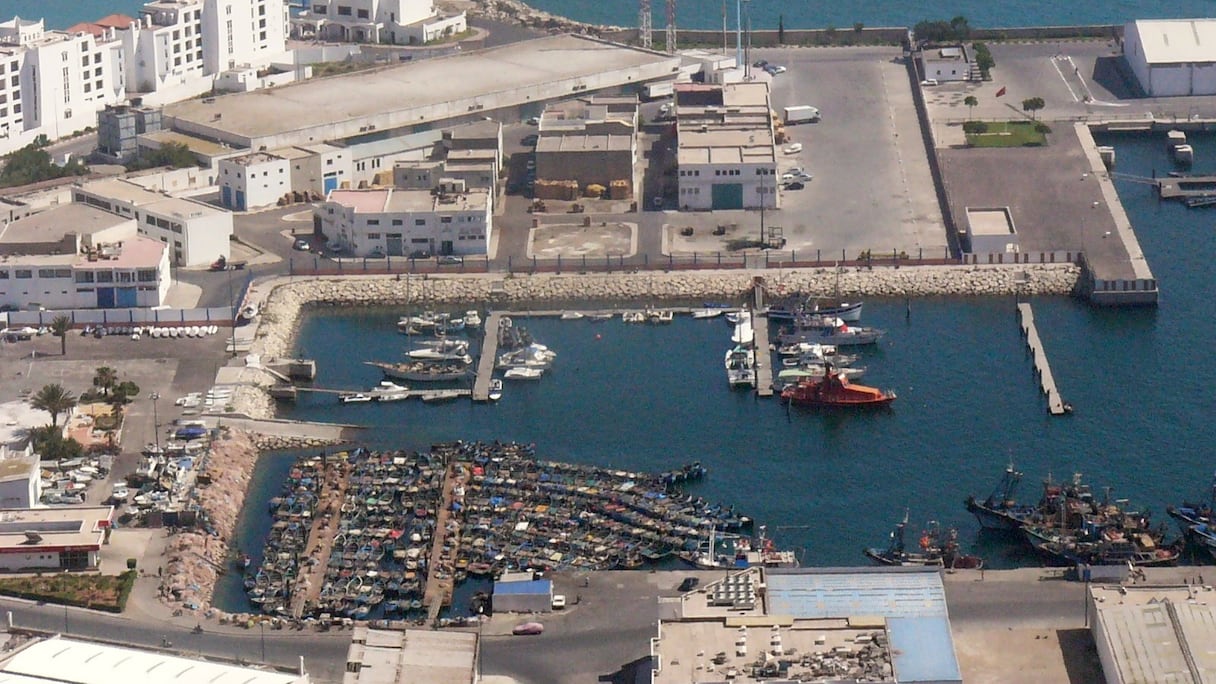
(53, 83)
(1172, 57)
(395, 22)
(727, 153)
(253, 181)
(197, 233)
(394, 222)
(20, 481)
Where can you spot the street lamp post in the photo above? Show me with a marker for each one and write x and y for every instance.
(263, 626)
(155, 420)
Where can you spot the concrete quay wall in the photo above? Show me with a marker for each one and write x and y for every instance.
(287, 299)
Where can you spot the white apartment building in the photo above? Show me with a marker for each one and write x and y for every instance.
(393, 222)
(198, 233)
(53, 83)
(727, 153)
(253, 181)
(75, 256)
(395, 22)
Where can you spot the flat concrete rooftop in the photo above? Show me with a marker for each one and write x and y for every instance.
(395, 200)
(51, 225)
(56, 527)
(512, 71)
(583, 143)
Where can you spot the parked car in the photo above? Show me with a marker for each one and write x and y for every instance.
(796, 185)
(761, 63)
(529, 140)
(929, 82)
(420, 254)
(775, 69)
(302, 245)
(793, 149)
(559, 601)
(450, 260)
(689, 584)
(533, 121)
(528, 628)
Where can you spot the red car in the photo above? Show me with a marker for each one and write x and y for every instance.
(528, 628)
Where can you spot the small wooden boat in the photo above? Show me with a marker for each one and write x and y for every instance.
(495, 389)
(572, 315)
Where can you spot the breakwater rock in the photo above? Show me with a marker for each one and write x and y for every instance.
(276, 443)
(515, 12)
(287, 299)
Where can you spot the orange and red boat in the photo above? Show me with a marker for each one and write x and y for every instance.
(834, 390)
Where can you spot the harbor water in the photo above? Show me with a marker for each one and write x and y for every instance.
(764, 13)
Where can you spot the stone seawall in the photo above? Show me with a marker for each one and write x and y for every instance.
(287, 299)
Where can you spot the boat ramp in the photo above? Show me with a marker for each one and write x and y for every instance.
(1055, 405)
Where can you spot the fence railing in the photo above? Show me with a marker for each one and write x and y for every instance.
(216, 315)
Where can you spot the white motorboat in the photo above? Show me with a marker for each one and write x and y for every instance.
(600, 317)
(733, 317)
(426, 354)
(706, 313)
(388, 390)
(743, 333)
(531, 356)
(792, 376)
(572, 315)
(248, 312)
(495, 389)
(633, 317)
(741, 367)
(472, 319)
(522, 373)
(660, 315)
(356, 398)
(829, 330)
(445, 344)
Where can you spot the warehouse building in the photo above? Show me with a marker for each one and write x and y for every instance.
(1154, 634)
(61, 538)
(395, 222)
(727, 154)
(197, 233)
(253, 181)
(589, 141)
(75, 256)
(1172, 57)
(379, 656)
(848, 624)
(472, 154)
(509, 82)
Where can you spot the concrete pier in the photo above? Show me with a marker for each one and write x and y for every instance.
(489, 353)
(764, 358)
(441, 567)
(1055, 405)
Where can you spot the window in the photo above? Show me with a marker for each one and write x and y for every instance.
(23, 274)
(398, 222)
(362, 14)
(4, 274)
(419, 222)
(373, 222)
(343, 10)
(105, 276)
(84, 276)
(373, 236)
(126, 277)
(319, 9)
(445, 219)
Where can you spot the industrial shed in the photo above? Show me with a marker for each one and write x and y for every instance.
(534, 596)
(1171, 57)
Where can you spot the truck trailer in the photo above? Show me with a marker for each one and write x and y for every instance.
(801, 114)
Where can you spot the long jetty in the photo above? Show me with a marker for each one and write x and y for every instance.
(764, 359)
(1055, 405)
(441, 566)
(489, 353)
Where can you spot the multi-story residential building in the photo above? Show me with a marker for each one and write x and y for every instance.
(396, 22)
(198, 233)
(76, 256)
(394, 222)
(53, 82)
(119, 127)
(727, 154)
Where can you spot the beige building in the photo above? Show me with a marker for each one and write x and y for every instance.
(727, 153)
(589, 141)
(412, 655)
(393, 222)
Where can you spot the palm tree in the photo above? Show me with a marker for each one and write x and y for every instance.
(971, 102)
(105, 379)
(53, 399)
(59, 328)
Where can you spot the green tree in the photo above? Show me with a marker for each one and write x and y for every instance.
(173, 155)
(59, 328)
(50, 444)
(31, 165)
(971, 102)
(1032, 105)
(124, 392)
(104, 379)
(938, 31)
(983, 59)
(55, 400)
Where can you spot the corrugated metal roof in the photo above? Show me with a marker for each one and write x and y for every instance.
(530, 587)
(861, 591)
(922, 650)
(1144, 643)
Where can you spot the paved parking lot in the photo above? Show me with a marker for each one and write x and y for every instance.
(871, 186)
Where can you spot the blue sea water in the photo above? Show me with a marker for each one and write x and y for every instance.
(764, 13)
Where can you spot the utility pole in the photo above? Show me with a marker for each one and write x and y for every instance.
(155, 419)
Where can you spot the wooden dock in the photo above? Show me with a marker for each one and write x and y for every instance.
(441, 568)
(1055, 405)
(764, 358)
(489, 353)
(307, 590)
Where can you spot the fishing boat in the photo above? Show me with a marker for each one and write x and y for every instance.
(833, 390)
(472, 319)
(735, 551)
(849, 312)
(572, 315)
(1105, 546)
(600, 317)
(248, 312)
(532, 356)
(792, 376)
(428, 354)
(523, 373)
(828, 330)
(937, 548)
(633, 317)
(495, 389)
(740, 367)
(1000, 510)
(388, 390)
(702, 314)
(659, 316)
(423, 371)
(354, 398)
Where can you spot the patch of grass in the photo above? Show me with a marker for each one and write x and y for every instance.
(742, 243)
(1010, 134)
(97, 592)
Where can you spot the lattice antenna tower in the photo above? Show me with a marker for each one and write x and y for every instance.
(645, 23)
(671, 26)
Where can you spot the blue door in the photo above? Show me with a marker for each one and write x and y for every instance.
(127, 298)
(226, 196)
(240, 200)
(105, 298)
(330, 183)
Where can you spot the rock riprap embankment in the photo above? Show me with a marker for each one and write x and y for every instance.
(277, 328)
